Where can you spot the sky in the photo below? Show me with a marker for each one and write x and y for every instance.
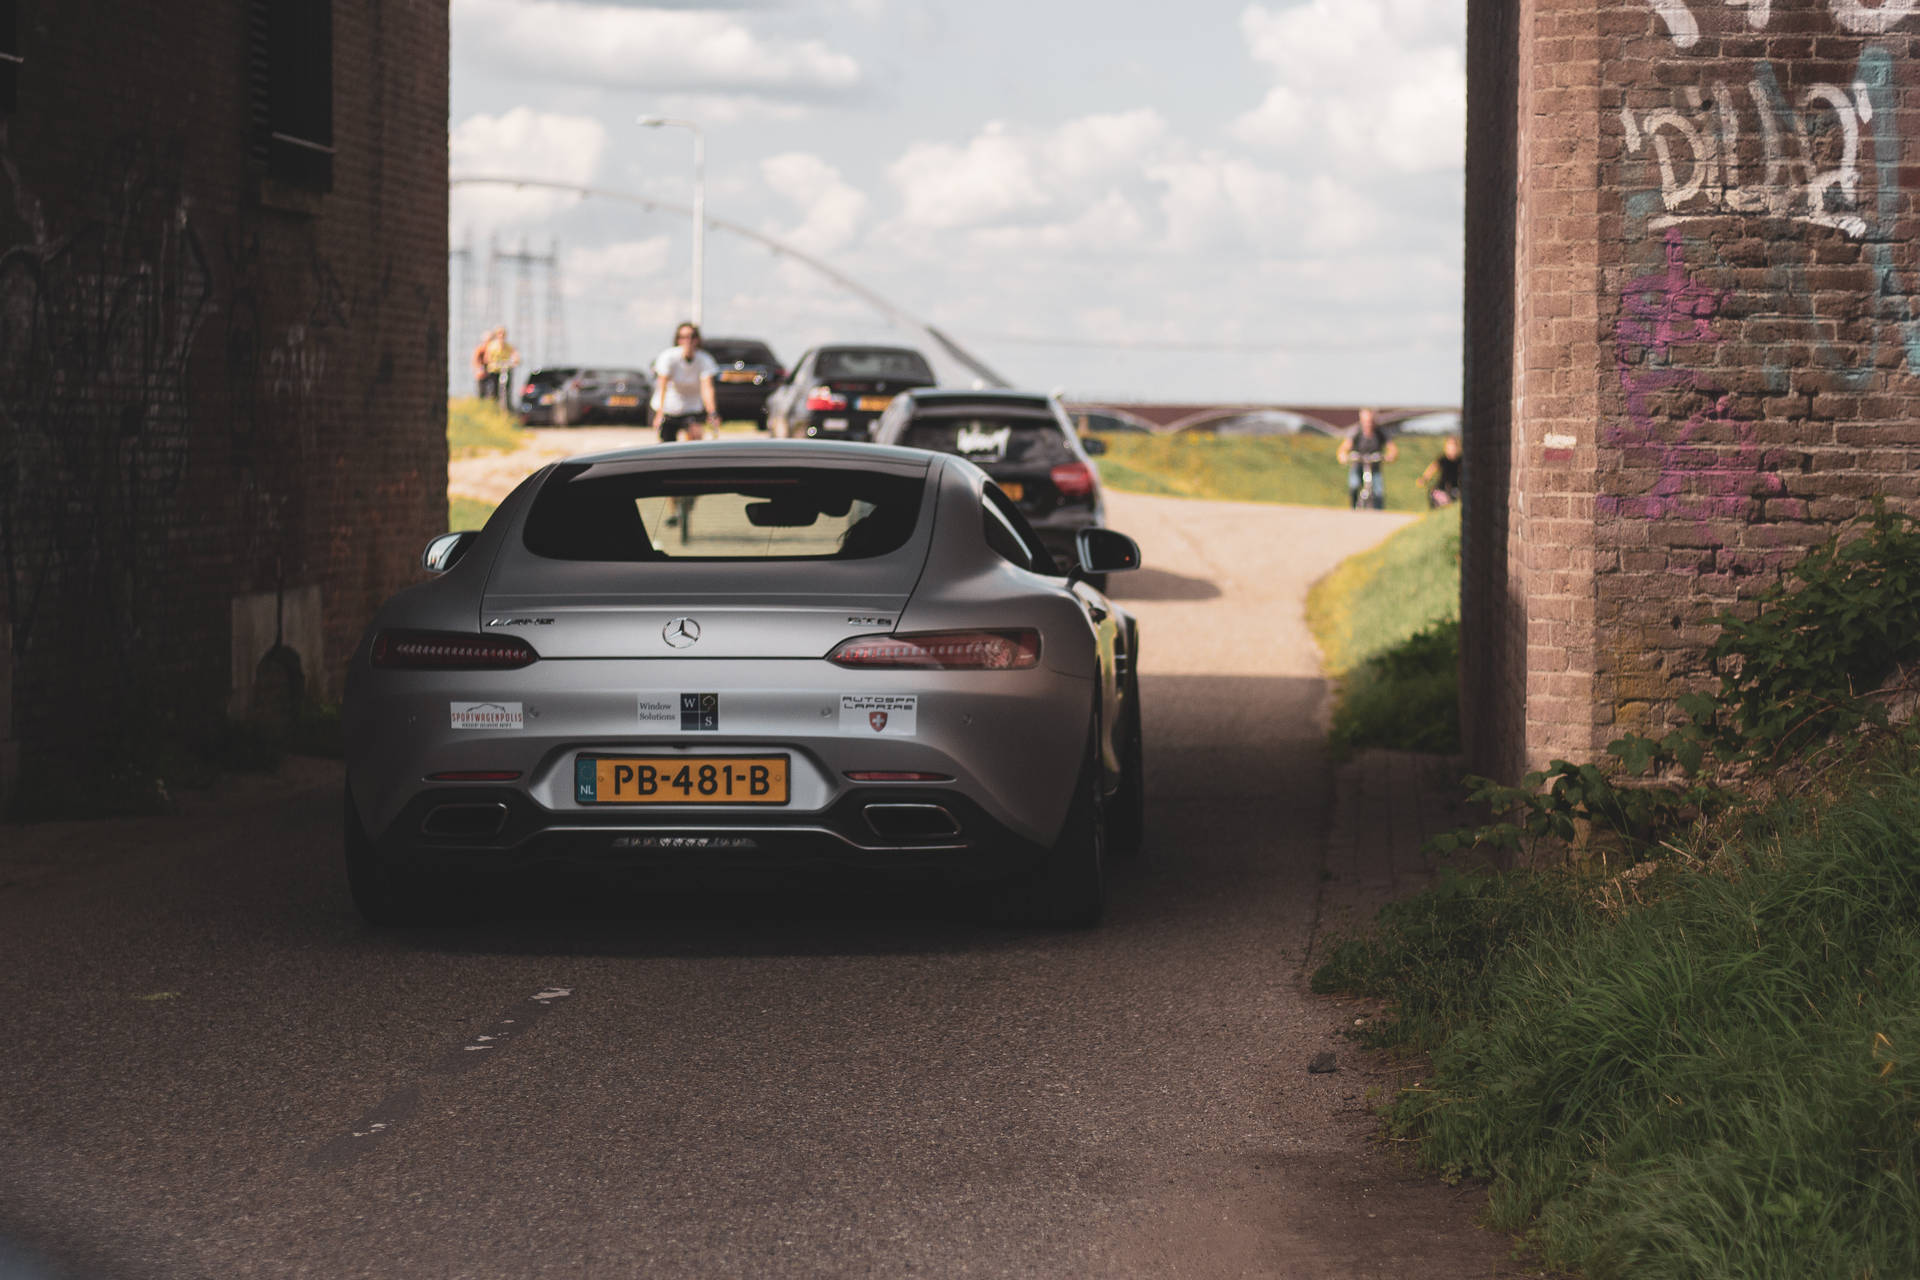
(1143, 201)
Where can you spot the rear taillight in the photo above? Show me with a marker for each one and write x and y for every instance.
(825, 399)
(1073, 479)
(527, 390)
(943, 651)
(450, 651)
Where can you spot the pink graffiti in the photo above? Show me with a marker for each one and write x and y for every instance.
(1700, 481)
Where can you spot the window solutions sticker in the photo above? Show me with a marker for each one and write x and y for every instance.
(678, 712)
(487, 715)
(891, 715)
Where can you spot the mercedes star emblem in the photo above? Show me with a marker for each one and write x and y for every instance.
(681, 632)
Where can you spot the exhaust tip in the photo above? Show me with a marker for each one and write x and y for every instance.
(465, 821)
(910, 821)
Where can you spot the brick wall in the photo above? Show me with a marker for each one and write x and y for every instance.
(211, 387)
(1716, 298)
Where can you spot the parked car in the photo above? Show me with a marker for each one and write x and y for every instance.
(748, 374)
(830, 665)
(1024, 440)
(1105, 421)
(534, 404)
(836, 392)
(1262, 422)
(603, 395)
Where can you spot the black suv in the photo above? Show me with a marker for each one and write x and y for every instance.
(748, 374)
(1024, 440)
(836, 392)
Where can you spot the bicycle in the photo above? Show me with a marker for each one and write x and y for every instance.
(1369, 493)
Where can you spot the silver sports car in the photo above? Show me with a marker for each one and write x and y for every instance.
(749, 652)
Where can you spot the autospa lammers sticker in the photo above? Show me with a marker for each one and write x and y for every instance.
(889, 714)
(487, 715)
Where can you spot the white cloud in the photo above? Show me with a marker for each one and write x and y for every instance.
(1108, 225)
(621, 264)
(1006, 173)
(832, 208)
(1374, 83)
(1220, 202)
(520, 143)
(647, 49)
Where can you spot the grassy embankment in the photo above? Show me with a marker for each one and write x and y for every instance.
(1388, 624)
(1295, 469)
(1687, 1043)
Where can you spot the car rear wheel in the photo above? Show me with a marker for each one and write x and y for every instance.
(1069, 887)
(385, 896)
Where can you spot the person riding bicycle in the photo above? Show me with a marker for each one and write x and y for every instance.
(1441, 479)
(683, 388)
(1365, 449)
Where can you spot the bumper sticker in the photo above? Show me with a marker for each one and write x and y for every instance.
(678, 712)
(487, 715)
(889, 715)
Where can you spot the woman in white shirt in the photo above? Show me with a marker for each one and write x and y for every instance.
(683, 387)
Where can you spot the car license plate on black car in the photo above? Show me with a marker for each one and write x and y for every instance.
(680, 779)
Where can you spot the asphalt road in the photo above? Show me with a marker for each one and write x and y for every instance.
(213, 1069)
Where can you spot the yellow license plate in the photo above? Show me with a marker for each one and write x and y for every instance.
(680, 779)
(1013, 489)
(873, 404)
(738, 375)
(622, 402)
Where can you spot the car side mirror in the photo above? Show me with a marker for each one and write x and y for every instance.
(445, 551)
(1105, 551)
(1094, 445)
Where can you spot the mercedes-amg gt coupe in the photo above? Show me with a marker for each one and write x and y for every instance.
(753, 653)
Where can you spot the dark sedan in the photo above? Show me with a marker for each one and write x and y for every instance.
(1024, 440)
(838, 392)
(748, 374)
(534, 404)
(603, 395)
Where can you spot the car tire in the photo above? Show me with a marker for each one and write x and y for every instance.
(385, 896)
(1069, 887)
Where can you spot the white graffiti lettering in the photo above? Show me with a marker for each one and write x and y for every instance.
(1856, 16)
(1808, 159)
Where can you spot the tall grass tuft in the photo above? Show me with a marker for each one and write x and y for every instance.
(1713, 1070)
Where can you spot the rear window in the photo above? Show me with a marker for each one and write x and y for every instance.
(992, 438)
(721, 514)
(550, 377)
(855, 363)
(740, 352)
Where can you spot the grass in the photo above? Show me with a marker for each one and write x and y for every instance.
(1295, 469)
(1388, 624)
(1710, 1069)
(468, 513)
(477, 426)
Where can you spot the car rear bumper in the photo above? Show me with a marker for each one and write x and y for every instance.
(491, 830)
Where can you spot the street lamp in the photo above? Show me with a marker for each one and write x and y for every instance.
(699, 201)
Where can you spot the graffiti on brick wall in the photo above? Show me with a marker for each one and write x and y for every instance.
(1808, 162)
(1855, 16)
(97, 326)
(1743, 144)
(1666, 316)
